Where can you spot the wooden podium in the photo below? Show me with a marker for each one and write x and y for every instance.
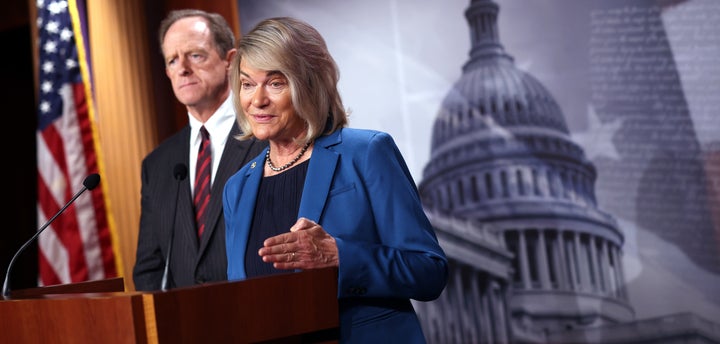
(298, 307)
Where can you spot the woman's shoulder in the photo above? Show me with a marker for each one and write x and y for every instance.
(354, 140)
(361, 134)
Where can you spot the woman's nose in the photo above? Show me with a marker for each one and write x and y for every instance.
(259, 99)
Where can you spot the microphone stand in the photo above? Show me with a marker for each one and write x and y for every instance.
(179, 172)
(89, 183)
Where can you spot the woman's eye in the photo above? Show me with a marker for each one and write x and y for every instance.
(277, 84)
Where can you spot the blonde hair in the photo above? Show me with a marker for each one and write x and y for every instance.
(298, 51)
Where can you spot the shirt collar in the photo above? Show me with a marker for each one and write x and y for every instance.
(218, 125)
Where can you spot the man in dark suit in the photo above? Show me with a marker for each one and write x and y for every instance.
(198, 48)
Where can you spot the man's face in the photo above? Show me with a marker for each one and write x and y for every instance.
(197, 72)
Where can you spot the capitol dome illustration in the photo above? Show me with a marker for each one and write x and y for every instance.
(512, 199)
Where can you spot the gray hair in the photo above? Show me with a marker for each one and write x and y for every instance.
(298, 51)
(222, 34)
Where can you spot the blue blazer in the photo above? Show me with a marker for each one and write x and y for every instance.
(359, 189)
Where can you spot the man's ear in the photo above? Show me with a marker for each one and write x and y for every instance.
(229, 57)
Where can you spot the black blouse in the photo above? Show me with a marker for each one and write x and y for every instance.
(276, 210)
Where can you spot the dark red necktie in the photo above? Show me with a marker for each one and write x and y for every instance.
(203, 171)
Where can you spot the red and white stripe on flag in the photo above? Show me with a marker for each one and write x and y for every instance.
(77, 246)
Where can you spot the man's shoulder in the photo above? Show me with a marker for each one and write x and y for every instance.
(253, 146)
(174, 144)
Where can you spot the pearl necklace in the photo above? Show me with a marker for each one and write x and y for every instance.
(284, 167)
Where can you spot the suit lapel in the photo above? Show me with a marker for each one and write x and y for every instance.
(319, 177)
(186, 215)
(185, 229)
(233, 156)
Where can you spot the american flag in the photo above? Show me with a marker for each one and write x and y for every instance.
(77, 246)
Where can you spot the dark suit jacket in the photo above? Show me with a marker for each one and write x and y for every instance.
(360, 190)
(192, 261)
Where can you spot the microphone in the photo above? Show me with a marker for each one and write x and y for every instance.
(89, 183)
(179, 173)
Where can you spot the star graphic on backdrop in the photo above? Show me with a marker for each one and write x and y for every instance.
(597, 139)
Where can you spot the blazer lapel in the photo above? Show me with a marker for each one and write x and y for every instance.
(246, 208)
(319, 177)
(253, 176)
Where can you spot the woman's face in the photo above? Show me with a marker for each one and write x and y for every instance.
(267, 104)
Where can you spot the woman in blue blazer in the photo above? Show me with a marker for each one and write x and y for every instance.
(323, 195)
